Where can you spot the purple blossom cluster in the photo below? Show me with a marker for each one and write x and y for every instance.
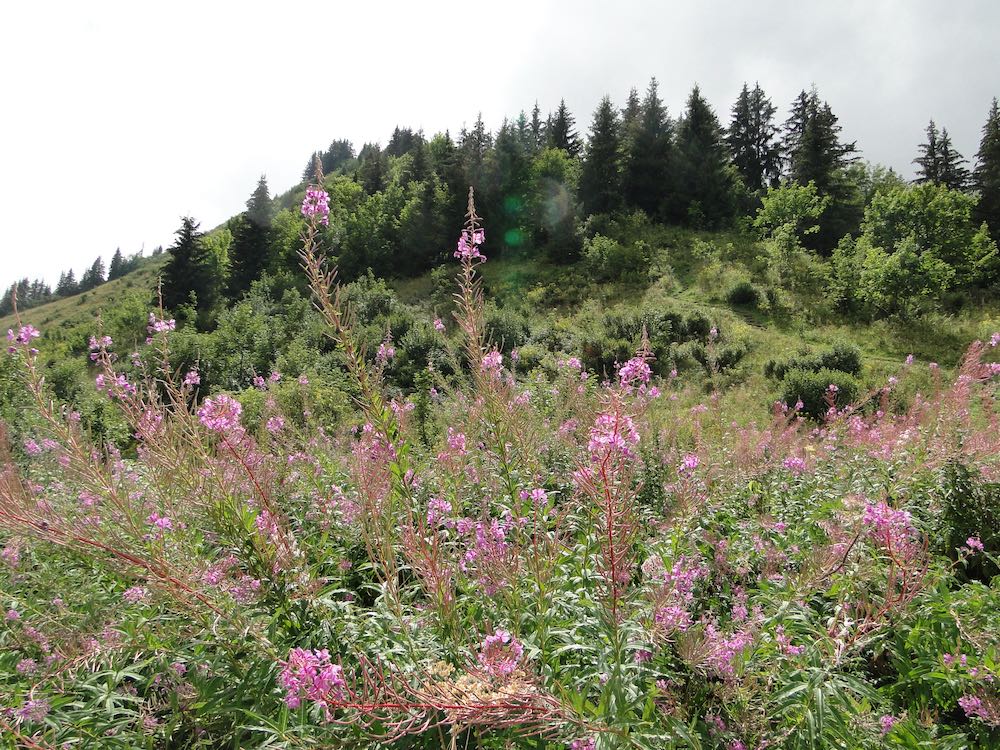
(468, 246)
(220, 413)
(309, 675)
(500, 654)
(612, 433)
(316, 205)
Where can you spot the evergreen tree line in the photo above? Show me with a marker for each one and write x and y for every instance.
(37, 292)
(394, 209)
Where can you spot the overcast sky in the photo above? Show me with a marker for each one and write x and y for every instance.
(119, 118)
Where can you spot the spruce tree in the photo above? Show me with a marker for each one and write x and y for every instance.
(93, 276)
(929, 161)
(706, 181)
(600, 180)
(188, 269)
(752, 139)
(338, 154)
(815, 153)
(647, 179)
(67, 284)
(563, 134)
(631, 112)
(986, 177)
(250, 253)
(474, 146)
(117, 267)
(372, 168)
(537, 131)
(954, 174)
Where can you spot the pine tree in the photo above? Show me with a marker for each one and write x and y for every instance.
(795, 125)
(372, 169)
(447, 166)
(474, 146)
(93, 276)
(250, 254)
(401, 142)
(954, 174)
(336, 156)
(647, 179)
(309, 173)
(600, 180)
(523, 129)
(815, 153)
(562, 133)
(67, 284)
(188, 270)
(706, 181)
(631, 112)
(752, 139)
(929, 161)
(117, 267)
(537, 131)
(986, 178)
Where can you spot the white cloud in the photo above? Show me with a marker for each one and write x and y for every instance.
(120, 117)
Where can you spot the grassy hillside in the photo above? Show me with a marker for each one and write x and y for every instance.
(87, 307)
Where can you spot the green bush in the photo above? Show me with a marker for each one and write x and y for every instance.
(610, 260)
(506, 328)
(842, 357)
(744, 294)
(970, 508)
(810, 387)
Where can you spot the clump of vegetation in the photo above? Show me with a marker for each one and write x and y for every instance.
(491, 558)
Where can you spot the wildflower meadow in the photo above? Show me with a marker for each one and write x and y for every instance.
(499, 558)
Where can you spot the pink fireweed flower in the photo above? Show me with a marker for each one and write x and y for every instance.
(24, 336)
(972, 705)
(995, 339)
(468, 246)
(161, 522)
(456, 441)
(583, 743)
(192, 378)
(785, 643)
(31, 447)
(888, 722)
(634, 373)
(492, 362)
(220, 413)
(975, 544)
(27, 666)
(134, 594)
(613, 433)
(438, 325)
(11, 554)
(500, 653)
(794, 465)
(438, 510)
(909, 359)
(159, 325)
(33, 711)
(316, 205)
(275, 425)
(890, 526)
(689, 463)
(309, 675)
(385, 353)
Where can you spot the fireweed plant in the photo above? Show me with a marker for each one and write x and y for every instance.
(541, 561)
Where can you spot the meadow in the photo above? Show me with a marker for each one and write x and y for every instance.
(661, 548)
